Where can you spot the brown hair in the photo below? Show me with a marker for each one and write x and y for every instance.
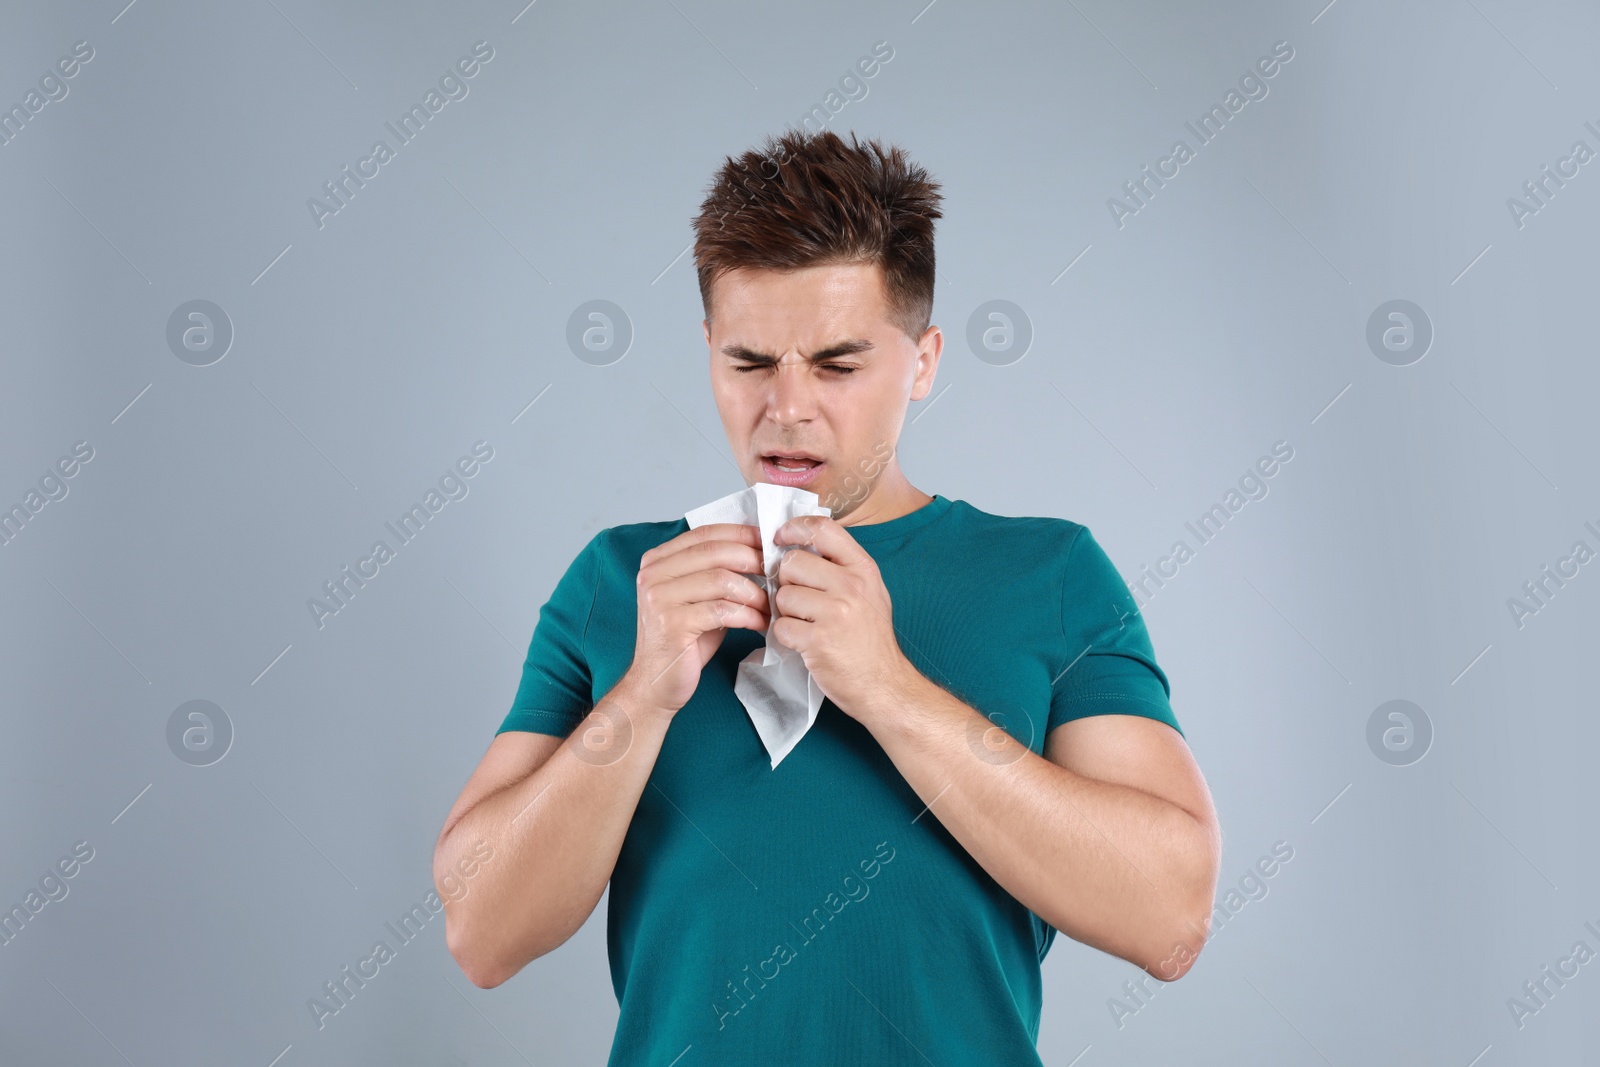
(808, 199)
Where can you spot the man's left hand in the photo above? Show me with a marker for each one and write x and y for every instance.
(834, 611)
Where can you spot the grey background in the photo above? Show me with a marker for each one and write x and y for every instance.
(369, 354)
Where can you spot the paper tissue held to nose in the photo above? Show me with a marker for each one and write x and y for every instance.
(773, 684)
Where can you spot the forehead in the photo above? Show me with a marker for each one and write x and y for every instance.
(823, 299)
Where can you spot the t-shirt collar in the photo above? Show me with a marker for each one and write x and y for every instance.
(879, 531)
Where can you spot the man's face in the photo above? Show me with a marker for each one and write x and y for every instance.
(808, 362)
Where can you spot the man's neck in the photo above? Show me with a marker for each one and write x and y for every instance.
(883, 506)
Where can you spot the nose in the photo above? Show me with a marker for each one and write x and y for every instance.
(793, 397)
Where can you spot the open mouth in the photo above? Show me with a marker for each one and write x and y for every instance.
(791, 469)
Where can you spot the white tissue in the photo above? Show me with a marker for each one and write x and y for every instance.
(773, 684)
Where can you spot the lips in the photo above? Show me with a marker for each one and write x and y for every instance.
(810, 465)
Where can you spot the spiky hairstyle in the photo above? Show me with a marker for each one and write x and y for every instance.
(808, 199)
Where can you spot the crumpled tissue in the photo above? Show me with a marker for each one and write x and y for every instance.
(773, 683)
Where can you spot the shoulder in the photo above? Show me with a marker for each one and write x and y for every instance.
(621, 547)
(1046, 552)
(1044, 539)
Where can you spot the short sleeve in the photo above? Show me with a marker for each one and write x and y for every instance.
(554, 694)
(1109, 666)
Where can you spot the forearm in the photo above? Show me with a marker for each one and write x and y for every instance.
(555, 837)
(1109, 865)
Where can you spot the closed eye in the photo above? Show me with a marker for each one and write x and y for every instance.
(825, 366)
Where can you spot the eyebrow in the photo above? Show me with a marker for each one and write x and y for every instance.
(843, 348)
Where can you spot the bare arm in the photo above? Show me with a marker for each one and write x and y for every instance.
(1110, 837)
(529, 846)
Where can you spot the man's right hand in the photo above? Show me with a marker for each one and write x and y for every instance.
(690, 590)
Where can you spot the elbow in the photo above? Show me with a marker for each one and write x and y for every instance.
(481, 971)
(475, 936)
(491, 937)
(1180, 949)
(463, 927)
(463, 937)
(1187, 925)
(484, 979)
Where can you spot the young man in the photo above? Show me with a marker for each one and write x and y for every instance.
(996, 758)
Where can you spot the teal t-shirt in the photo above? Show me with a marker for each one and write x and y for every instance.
(816, 913)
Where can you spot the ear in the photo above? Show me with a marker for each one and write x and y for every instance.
(929, 348)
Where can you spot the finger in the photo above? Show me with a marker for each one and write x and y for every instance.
(800, 567)
(831, 541)
(741, 558)
(792, 633)
(734, 532)
(801, 602)
(709, 586)
(725, 614)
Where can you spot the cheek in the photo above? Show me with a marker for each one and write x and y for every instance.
(732, 397)
(741, 414)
